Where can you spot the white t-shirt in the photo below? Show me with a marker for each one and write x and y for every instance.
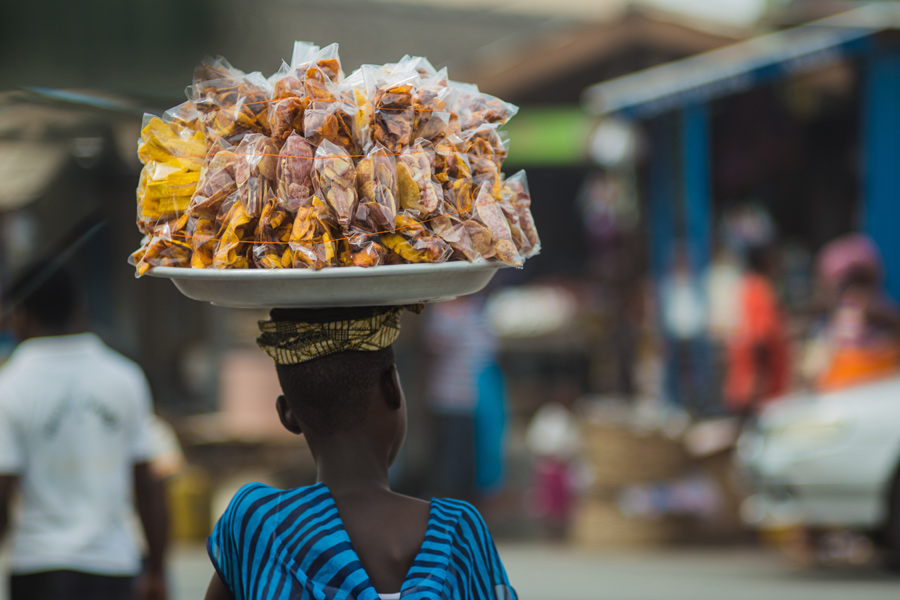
(74, 419)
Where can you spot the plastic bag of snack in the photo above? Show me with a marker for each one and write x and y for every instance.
(232, 103)
(327, 59)
(202, 231)
(354, 87)
(273, 232)
(289, 97)
(255, 170)
(168, 245)
(332, 118)
(335, 181)
(376, 181)
(216, 181)
(452, 229)
(172, 154)
(471, 108)
(516, 193)
(412, 242)
(487, 143)
(488, 213)
(417, 189)
(288, 103)
(293, 174)
(235, 235)
(453, 171)
(313, 241)
(392, 116)
(185, 114)
(431, 116)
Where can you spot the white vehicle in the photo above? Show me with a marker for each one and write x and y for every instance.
(827, 461)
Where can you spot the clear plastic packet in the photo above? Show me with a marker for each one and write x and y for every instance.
(376, 181)
(368, 253)
(173, 156)
(488, 213)
(335, 180)
(327, 59)
(431, 116)
(255, 170)
(216, 181)
(232, 103)
(354, 87)
(471, 108)
(202, 231)
(185, 114)
(174, 143)
(167, 246)
(413, 243)
(288, 103)
(392, 116)
(487, 143)
(235, 235)
(273, 232)
(417, 190)
(294, 172)
(331, 115)
(453, 171)
(452, 230)
(314, 237)
(516, 194)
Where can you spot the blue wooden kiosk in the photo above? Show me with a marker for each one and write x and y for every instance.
(672, 101)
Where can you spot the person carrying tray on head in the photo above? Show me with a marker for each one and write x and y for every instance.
(348, 535)
(75, 439)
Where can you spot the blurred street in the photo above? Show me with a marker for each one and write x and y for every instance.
(545, 572)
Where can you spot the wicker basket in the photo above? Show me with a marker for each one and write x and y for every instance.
(621, 457)
(598, 523)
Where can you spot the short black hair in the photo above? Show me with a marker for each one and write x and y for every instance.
(47, 291)
(332, 393)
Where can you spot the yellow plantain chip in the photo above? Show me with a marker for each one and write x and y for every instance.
(407, 188)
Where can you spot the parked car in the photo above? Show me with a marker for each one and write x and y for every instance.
(828, 461)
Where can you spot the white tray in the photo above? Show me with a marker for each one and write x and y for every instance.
(336, 286)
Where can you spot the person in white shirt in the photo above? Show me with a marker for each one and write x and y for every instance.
(75, 441)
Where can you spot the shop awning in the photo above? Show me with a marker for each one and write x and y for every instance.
(743, 65)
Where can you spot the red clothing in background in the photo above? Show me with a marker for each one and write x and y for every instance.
(760, 325)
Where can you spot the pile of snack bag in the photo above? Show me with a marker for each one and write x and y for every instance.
(392, 164)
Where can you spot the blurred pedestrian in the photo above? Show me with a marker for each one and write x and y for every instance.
(554, 441)
(860, 338)
(684, 320)
(461, 345)
(758, 352)
(75, 441)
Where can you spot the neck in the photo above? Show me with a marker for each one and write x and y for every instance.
(347, 464)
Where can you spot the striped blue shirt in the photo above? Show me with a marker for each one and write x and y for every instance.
(275, 544)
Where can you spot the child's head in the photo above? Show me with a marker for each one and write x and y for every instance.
(337, 373)
(355, 392)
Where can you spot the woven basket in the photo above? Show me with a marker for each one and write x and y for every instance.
(620, 457)
(599, 524)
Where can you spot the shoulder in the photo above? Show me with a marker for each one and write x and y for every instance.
(113, 361)
(252, 497)
(473, 544)
(466, 519)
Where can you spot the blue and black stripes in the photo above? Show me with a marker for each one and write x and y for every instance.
(291, 545)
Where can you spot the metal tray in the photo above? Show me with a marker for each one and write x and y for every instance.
(388, 285)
